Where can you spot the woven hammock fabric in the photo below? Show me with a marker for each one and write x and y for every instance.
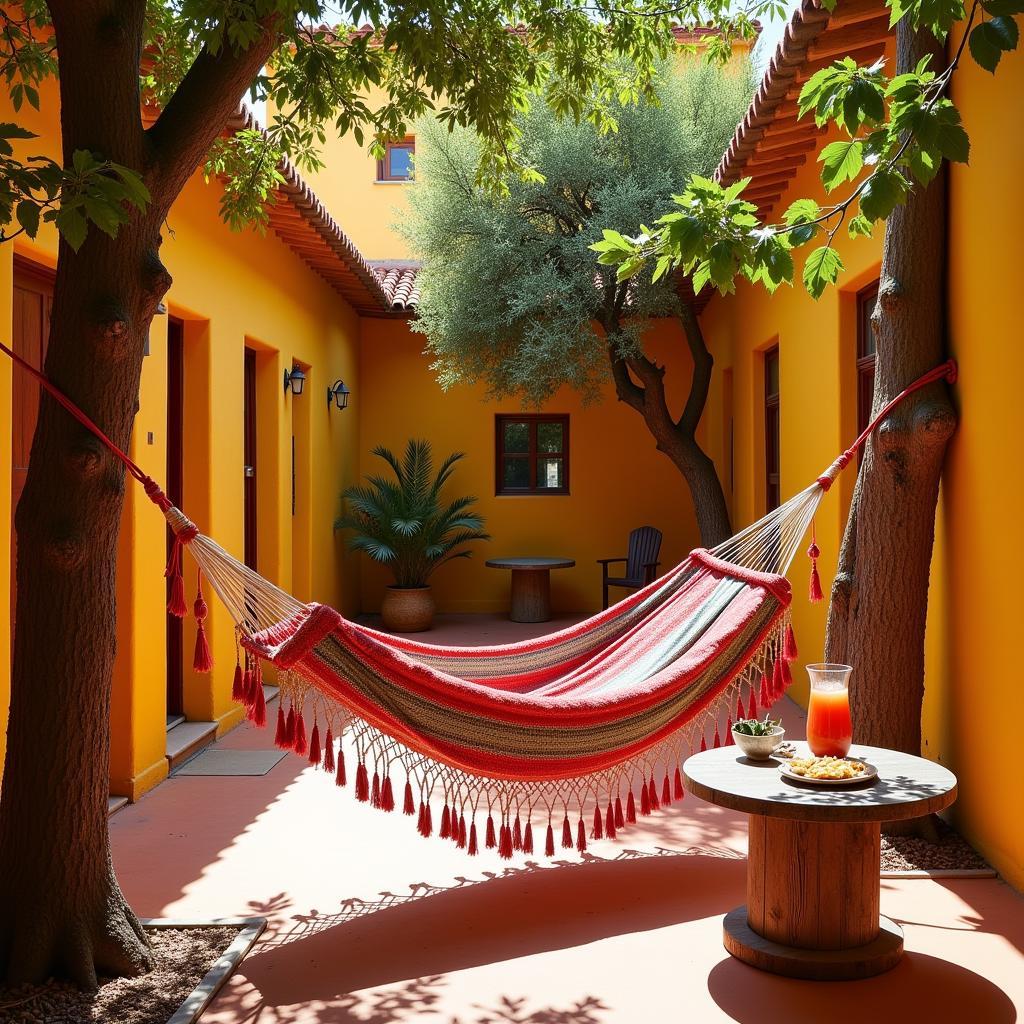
(577, 702)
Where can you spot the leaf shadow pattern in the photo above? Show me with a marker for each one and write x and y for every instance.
(314, 921)
(587, 1010)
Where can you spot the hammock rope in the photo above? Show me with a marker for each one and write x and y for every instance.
(576, 733)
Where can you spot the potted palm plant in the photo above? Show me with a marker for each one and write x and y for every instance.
(406, 524)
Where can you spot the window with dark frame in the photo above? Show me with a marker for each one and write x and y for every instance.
(772, 454)
(866, 354)
(397, 162)
(531, 453)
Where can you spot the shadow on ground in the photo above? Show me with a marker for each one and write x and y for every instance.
(919, 988)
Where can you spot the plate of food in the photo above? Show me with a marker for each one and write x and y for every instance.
(828, 771)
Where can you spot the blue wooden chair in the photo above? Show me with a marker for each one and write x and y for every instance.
(641, 562)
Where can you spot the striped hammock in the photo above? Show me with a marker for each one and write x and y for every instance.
(583, 729)
(580, 730)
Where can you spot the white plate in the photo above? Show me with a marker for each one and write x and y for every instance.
(870, 772)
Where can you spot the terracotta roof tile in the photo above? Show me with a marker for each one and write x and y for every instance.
(770, 143)
(398, 279)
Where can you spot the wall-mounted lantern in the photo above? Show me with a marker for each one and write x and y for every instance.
(337, 394)
(294, 379)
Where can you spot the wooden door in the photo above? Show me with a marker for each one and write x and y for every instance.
(175, 482)
(33, 299)
(249, 430)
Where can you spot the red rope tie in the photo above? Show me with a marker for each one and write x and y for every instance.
(202, 659)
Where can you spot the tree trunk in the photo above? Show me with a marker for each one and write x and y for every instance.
(677, 438)
(880, 594)
(63, 914)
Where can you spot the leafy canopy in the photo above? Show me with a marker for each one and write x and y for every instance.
(405, 522)
(366, 67)
(508, 289)
(898, 130)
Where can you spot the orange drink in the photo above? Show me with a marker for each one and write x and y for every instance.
(829, 727)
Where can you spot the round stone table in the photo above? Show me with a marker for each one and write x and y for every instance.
(531, 585)
(813, 860)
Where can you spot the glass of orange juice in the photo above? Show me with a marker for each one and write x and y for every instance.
(829, 727)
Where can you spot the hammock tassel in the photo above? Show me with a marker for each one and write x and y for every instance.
(598, 832)
(281, 734)
(645, 799)
(446, 823)
(237, 692)
(581, 836)
(463, 834)
(678, 783)
(752, 705)
(790, 645)
(528, 838)
(718, 737)
(566, 833)
(517, 833)
(764, 698)
(620, 822)
(202, 659)
(652, 795)
(814, 553)
(408, 804)
(375, 791)
(329, 752)
(474, 849)
(259, 708)
(176, 604)
(340, 777)
(505, 842)
(387, 795)
(289, 729)
(549, 842)
(490, 836)
(729, 741)
(609, 821)
(703, 743)
(301, 746)
(314, 744)
(666, 791)
(631, 809)
(362, 784)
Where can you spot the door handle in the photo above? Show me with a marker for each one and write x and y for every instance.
(249, 470)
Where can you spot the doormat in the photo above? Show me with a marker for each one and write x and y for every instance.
(231, 762)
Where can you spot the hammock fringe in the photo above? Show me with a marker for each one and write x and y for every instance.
(642, 784)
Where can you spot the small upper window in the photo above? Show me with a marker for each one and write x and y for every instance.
(397, 162)
(532, 454)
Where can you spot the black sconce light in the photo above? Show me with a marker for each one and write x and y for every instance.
(338, 394)
(294, 379)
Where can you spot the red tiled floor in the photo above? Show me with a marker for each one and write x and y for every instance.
(369, 923)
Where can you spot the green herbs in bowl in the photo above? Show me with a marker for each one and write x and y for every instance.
(758, 739)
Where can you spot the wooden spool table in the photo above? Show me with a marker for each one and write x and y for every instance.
(814, 858)
(531, 585)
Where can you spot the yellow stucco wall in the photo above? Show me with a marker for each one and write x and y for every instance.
(232, 291)
(973, 605)
(617, 479)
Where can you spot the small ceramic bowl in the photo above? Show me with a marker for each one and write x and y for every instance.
(759, 748)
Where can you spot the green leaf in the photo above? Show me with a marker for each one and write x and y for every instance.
(27, 215)
(821, 269)
(882, 193)
(989, 40)
(1003, 8)
(72, 225)
(859, 227)
(842, 162)
(924, 165)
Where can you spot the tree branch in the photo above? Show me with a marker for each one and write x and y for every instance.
(703, 365)
(196, 114)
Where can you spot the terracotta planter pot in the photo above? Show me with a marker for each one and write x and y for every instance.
(407, 609)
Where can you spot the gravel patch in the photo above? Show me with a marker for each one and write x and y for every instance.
(950, 853)
(183, 956)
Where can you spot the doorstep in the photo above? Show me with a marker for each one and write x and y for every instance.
(115, 803)
(186, 739)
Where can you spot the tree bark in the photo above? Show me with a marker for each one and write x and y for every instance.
(879, 597)
(63, 914)
(639, 382)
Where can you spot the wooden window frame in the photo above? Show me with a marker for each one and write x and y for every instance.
(772, 430)
(866, 361)
(409, 142)
(533, 419)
